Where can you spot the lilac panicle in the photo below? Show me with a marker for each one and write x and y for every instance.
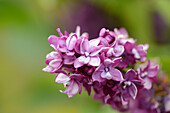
(112, 65)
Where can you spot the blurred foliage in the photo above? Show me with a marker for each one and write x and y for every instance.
(24, 29)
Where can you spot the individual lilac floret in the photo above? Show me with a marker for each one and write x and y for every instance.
(64, 43)
(148, 74)
(139, 51)
(54, 61)
(107, 71)
(129, 86)
(73, 86)
(89, 53)
(115, 51)
(122, 36)
(108, 35)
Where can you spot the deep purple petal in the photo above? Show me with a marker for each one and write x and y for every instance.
(130, 75)
(129, 46)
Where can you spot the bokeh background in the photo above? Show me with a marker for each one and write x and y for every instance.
(25, 26)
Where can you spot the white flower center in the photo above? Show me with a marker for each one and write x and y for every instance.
(144, 74)
(86, 54)
(106, 69)
(126, 83)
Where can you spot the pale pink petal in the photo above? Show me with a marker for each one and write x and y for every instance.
(147, 84)
(84, 46)
(118, 50)
(71, 41)
(116, 74)
(53, 41)
(97, 76)
(153, 71)
(48, 69)
(133, 90)
(72, 89)
(78, 31)
(78, 64)
(102, 32)
(94, 42)
(94, 61)
(84, 59)
(55, 63)
(62, 78)
(106, 75)
(95, 50)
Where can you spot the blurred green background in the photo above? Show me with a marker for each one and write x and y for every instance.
(25, 26)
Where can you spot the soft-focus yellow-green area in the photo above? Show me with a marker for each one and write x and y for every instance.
(24, 28)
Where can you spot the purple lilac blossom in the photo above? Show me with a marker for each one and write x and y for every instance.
(148, 74)
(107, 66)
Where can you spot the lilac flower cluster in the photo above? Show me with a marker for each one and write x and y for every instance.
(106, 65)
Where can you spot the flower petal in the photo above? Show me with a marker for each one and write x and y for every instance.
(48, 69)
(62, 78)
(71, 41)
(95, 50)
(93, 42)
(53, 41)
(84, 59)
(97, 76)
(102, 32)
(69, 59)
(148, 83)
(118, 50)
(84, 46)
(72, 89)
(106, 75)
(55, 63)
(130, 75)
(129, 46)
(78, 64)
(116, 74)
(153, 71)
(133, 90)
(94, 61)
